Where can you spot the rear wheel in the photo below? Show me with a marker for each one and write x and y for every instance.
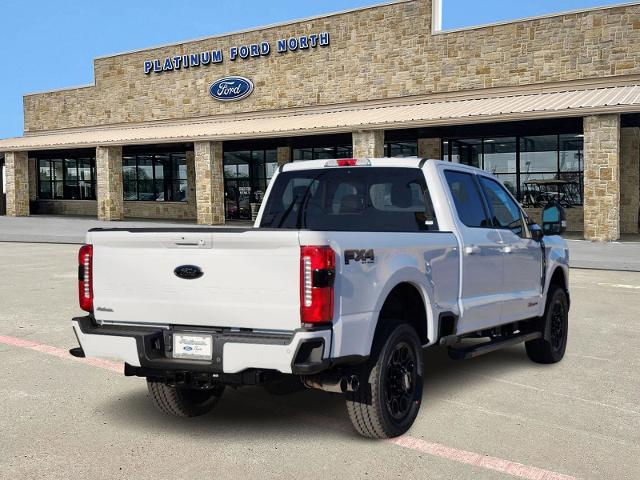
(390, 393)
(555, 327)
(183, 402)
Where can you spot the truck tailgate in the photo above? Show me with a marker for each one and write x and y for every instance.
(250, 278)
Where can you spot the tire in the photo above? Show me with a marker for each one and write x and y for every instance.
(183, 402)
(390, 393)
(555, 326)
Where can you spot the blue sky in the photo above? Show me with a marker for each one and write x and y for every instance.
(49, 44)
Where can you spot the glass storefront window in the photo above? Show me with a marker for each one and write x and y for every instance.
(66, 178)
(500, 155)
(158, 177)
(467, 151)
(535, 169)
(539, 154)
(322, 153)
(401, 149)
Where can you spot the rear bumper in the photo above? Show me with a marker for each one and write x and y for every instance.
(301, 352)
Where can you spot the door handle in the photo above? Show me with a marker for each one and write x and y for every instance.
(471, 250)
(507, 249)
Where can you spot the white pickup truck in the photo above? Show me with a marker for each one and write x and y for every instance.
(353, 267)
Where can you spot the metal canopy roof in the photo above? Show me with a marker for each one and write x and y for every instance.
(575, 102)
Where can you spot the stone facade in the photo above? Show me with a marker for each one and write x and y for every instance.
(109, 183)
(17, 173)
(368, 144)
(602, 177)
(430, 148)
(629, 179)
(33, 180)
(376, 53)
(82, 208)
(209, 183)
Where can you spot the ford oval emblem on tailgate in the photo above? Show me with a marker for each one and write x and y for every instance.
(188, 272)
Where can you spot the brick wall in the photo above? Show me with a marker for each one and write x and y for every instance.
(375, 53)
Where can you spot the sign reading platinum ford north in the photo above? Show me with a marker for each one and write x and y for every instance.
(230, 89)
(242, 52)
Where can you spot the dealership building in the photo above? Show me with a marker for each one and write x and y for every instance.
(195, 130)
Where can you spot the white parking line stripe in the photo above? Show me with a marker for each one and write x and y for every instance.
(61, 353)
(461, 456)
(619, 285)
(478, 460)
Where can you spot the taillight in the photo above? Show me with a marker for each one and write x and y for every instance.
(317, 273)
(85, 277)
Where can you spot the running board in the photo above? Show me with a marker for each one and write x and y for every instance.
(488, 347)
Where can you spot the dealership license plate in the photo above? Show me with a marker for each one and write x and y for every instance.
(192, 347)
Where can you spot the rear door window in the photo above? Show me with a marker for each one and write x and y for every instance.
(467, 199)
(351, 199)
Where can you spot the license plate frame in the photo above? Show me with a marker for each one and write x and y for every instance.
(193, 346)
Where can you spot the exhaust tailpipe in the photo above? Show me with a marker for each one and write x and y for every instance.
(332, 383)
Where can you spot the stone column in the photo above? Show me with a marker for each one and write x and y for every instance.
(283, 155)
(368, 144)
(16, 166)
(430, 148)
(629, 179)
(109, 183)
(191, 182)
(602, 177)
(33, 179)
(209, 183)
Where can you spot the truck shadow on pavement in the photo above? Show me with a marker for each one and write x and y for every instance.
(252, 413)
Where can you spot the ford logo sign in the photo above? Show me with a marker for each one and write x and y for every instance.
(187, 348)
(188, 272)
(230, 89)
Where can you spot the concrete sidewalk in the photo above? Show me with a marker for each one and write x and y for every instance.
(624, 255)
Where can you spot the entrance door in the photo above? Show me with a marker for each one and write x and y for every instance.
(3, 194)
(237, 195)
(246, 176)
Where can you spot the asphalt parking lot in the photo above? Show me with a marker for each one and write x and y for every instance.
(498, 416)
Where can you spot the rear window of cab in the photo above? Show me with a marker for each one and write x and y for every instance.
(350, 199)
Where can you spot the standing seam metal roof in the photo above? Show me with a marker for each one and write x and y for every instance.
(442, 112)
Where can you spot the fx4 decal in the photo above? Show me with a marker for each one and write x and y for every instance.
(362, 256)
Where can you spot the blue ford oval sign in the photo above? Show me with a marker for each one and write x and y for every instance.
(230, 89)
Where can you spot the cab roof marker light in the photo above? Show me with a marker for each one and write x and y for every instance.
(348, 162)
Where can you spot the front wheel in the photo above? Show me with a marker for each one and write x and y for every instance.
(387, 404)
(555, 326)
(183, 402)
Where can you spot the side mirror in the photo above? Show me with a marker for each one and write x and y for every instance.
(536, 232)
(554, 221)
